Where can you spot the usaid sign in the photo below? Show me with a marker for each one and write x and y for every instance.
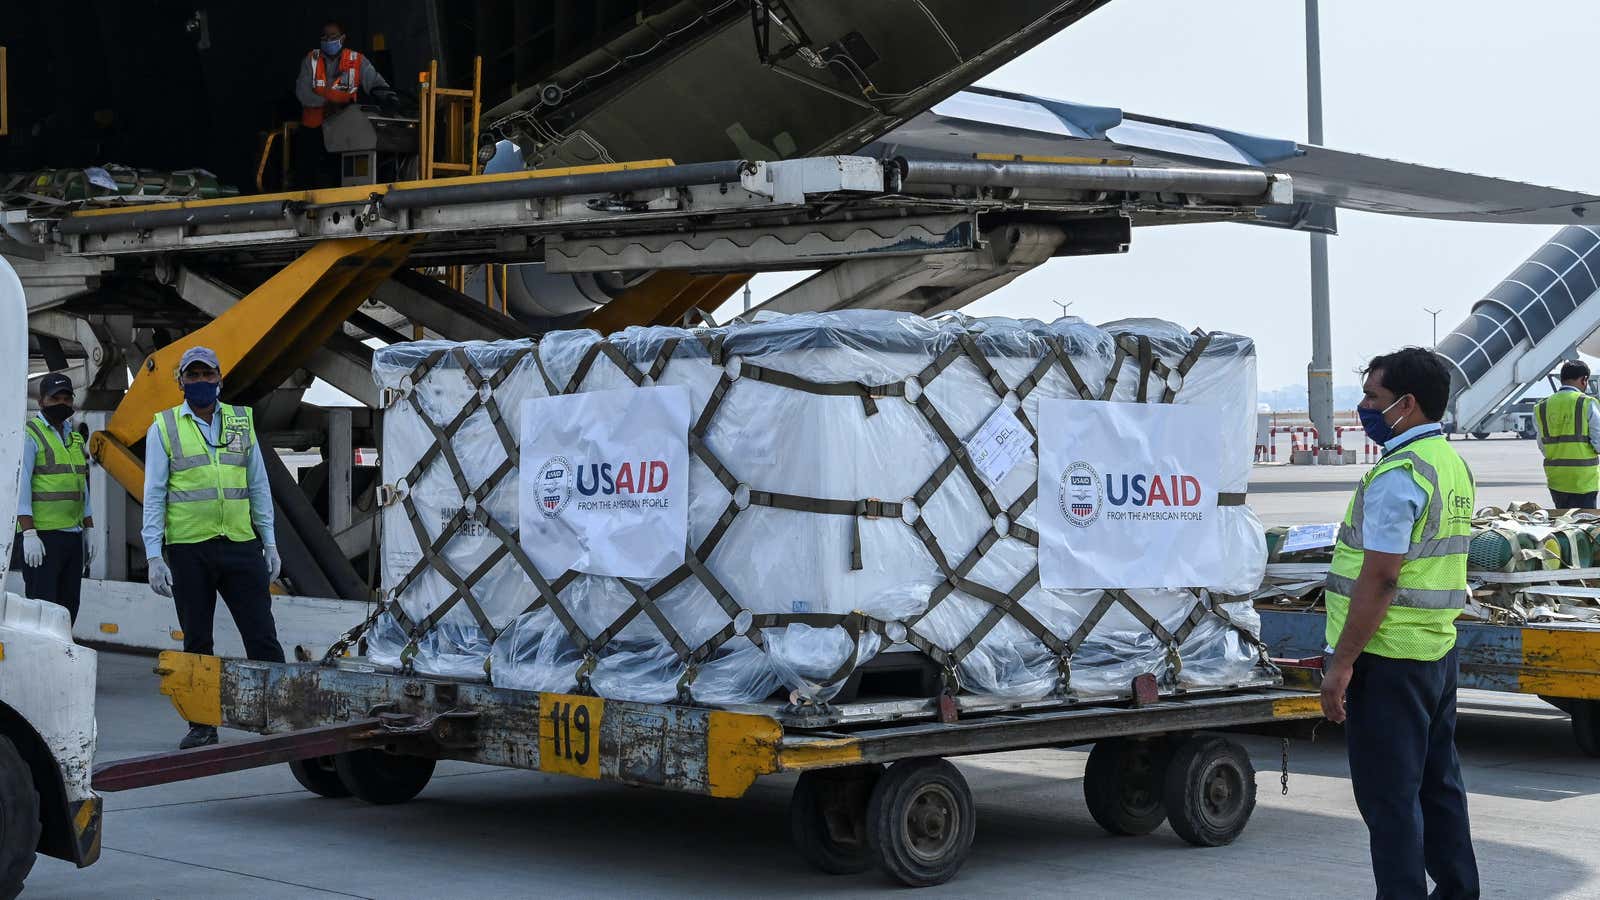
(604, 481)
(1128, 496)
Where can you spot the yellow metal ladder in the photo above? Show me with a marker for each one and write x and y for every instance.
(461, 110)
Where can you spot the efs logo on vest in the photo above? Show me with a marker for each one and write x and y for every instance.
(558, 479)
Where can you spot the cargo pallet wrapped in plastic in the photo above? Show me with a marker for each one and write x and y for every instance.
(797, 572)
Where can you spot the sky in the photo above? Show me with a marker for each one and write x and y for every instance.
(1461, 84)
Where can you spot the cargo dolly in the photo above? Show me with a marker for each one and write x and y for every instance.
(1560, 664)
(1557, 662)
(874, 786)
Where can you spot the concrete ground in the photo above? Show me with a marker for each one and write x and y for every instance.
(483, 833)
(1506, 470)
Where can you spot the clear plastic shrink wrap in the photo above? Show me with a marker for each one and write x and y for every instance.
(850, 407)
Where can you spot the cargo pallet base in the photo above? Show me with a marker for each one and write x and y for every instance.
(874, 787)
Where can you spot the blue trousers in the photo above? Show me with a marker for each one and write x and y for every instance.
(1400, 732)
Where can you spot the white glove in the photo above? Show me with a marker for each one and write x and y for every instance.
(274, 562)
(88, 550)
(160, 576)
(32, 549)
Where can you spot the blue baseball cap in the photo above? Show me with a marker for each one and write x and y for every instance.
(199, 355)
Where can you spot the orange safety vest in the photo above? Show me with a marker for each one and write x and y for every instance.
(342, 90)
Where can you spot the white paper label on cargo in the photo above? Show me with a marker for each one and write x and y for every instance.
(1128, 496)
(604, 481)
(998, 444)
(1309, 537)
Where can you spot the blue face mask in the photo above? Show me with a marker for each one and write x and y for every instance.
(332, 48)
(201, 394)
(1372, 422)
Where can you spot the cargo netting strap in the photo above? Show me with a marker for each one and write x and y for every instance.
(1002, 602)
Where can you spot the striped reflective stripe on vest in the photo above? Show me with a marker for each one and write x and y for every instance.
(1591, 461)
(1414, 598)
(57, 495)
(1580, 427)
(346, 78)
(1428, 549)
(181, 460)
(51, 467)
(1350, 534)
(206, 494)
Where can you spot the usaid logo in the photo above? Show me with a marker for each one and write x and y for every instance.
(1080, 496)
(553, 486)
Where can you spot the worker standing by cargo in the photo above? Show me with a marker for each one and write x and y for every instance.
(208, 505)
(1397, 583)
(53, 500)
(332, 77)
(1569, 436)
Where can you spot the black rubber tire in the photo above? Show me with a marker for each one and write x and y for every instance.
(1210, 790)
(921, 821)
(828, 818)
(1480, 435)
(1527, 435)
(319, 776)
(1123, 784)
(19, 820)
(1586, 725)
(383, 778)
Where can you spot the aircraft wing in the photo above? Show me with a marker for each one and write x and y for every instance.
(982, 120)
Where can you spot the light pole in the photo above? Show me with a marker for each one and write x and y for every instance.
(1435, 314)
(1319, 374)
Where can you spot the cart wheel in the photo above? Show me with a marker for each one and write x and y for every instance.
(19, 820)
(379, 777)
(319, 776)
(828, 817)
(1586, 725)
(1122, 785)
(1210, 790)
(921, 821)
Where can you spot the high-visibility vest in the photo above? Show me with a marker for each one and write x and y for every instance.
(208, 488)
(343, 88)
(1571, 465)
(1432, 591)
(60, 478)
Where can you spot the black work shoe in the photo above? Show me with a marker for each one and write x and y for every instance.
(198, 736)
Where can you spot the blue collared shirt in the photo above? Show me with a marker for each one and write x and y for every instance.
(1394, 501)
(157, 468)
(1594, 421)
(30, 449)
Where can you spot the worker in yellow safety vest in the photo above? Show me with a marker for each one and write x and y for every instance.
(53, 500)
(1569, 436)
(208, 525)
(332, 77)
(1397, 583)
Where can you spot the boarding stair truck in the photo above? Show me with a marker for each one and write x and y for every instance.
(47, 682)
(1521, 331)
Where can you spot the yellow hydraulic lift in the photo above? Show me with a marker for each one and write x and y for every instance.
(663, 299)
(260, 341)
